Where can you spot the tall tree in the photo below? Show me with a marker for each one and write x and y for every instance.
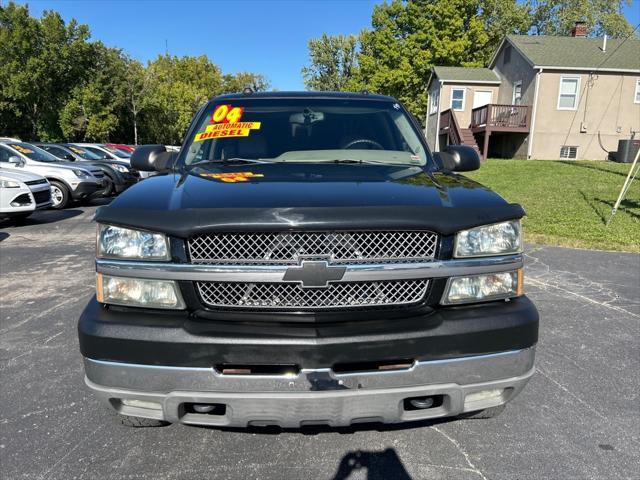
(178, 87)
(96, 109)
(41, 60)
(557, 17)
(409, 37)
(333, 62)
(237, 82)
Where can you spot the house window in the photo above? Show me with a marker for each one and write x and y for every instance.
(568, 152)
(568, 94)
(637, 98)
(517, 93)
(457, 98)
(433, 104)
(507, 54)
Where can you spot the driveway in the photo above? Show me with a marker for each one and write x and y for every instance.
(579, 417)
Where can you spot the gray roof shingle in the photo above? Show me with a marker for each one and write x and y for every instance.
(579, 52)
(465, 74)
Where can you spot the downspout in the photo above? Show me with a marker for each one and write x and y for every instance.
(437, 147)
(534, 110)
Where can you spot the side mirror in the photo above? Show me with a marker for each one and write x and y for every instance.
(70, 157)
(152, 158)
(16, 160)
(460, 158)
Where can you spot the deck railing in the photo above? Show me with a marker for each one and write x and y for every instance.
(503, 117)
(449, 125)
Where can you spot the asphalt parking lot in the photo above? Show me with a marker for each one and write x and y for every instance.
(579, 417)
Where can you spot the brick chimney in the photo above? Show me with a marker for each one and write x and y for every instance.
(579, 29)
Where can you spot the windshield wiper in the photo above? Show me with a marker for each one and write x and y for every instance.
(225, 161)
(351, 161)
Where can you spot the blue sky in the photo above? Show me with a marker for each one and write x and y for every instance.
(264, 36)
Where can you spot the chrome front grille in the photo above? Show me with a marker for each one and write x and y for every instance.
(281, 296)
(338, 247)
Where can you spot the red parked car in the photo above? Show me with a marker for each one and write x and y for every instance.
(121, 146)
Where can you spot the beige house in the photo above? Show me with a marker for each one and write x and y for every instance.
(541, 98)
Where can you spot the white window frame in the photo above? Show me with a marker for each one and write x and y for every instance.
(434, 102)
(464, 99)
(513, 93)
(577, 94)
(636, 97)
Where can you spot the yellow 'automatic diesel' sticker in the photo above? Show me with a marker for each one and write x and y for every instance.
(219, 130)
(22, 149)
(233, 177)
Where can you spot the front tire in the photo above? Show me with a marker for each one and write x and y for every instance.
(110, 187)
(141, 422)
(60, 195)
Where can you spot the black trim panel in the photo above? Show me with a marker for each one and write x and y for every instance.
(179, 339)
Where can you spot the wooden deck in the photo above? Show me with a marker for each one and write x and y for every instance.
(501, 118)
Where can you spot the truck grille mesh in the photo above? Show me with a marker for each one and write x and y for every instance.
(286, 248)
(291, 295)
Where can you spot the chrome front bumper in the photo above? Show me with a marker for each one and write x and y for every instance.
(318, 396)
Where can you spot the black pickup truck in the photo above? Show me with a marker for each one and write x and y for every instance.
(304, 259)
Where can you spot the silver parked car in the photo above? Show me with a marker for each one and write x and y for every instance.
(22, 193)
(68, 181)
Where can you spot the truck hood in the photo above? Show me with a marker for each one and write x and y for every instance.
(306, 196)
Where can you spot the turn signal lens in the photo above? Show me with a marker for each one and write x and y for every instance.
(137, 292)
(482, 288)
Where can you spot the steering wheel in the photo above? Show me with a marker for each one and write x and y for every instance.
(365, 141)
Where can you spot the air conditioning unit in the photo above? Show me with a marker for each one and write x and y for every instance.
(627, 150)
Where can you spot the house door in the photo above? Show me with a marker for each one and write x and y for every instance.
(481, 98)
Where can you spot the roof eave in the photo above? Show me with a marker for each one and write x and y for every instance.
(587, 69)
(480, 82)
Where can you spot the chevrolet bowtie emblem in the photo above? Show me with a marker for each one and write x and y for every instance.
(312, 274)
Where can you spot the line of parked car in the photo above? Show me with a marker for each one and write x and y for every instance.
(35, 176)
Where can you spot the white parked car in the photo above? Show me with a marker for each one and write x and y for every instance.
(68, 181)
(22, 193)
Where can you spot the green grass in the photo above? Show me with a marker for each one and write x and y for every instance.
(568, 202)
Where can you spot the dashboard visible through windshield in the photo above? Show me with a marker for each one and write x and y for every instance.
(305, 130)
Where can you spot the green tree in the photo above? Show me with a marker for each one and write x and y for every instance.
(239, 81)
(96, 109)
(178, 86)
(41, 60)
(409, 37)
(333, 62)
(557, 17)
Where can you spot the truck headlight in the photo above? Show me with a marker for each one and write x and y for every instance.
(130, 244)
(138, 292)
(497, 239)
(80, 173)
(9, 184)
(482, 288)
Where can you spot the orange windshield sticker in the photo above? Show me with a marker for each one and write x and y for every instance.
(22, 149)
(233, 177)
(227, 114)
(77, 150)
(217, 130)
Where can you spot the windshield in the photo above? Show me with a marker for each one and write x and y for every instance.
(33, 152)
(82, 153)
(306, 130)
(117, 152)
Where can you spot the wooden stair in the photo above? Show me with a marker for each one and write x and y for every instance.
(467, 138)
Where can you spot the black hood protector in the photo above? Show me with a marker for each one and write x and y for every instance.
(308, 197)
